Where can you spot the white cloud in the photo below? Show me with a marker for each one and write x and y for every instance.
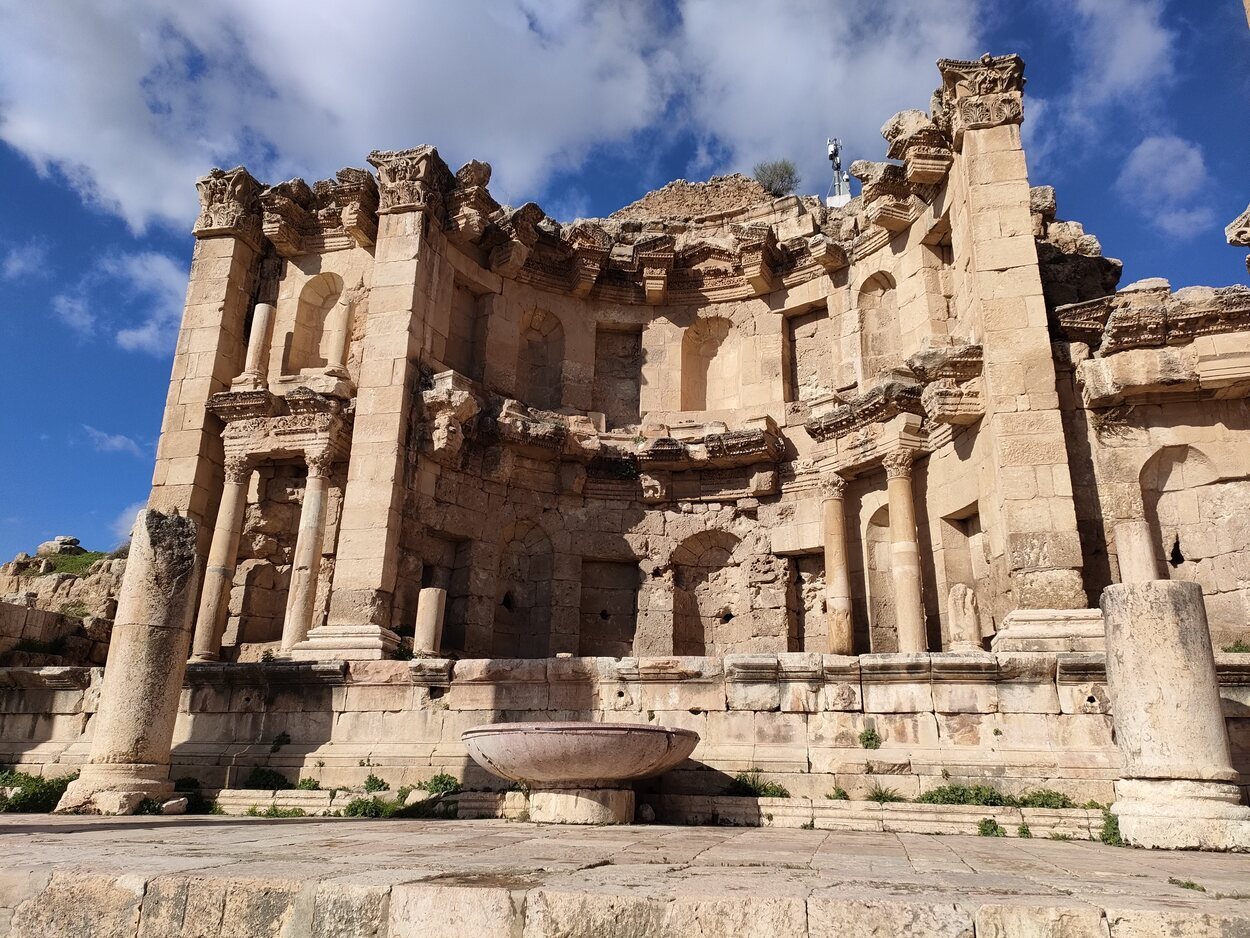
(113, 442)
(161, 282)
(125, 520)
(24, 260)
(137, 296)
(290, 87)
(1165, 180)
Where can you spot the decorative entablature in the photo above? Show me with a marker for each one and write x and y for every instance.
(920, 144)
(953, 390)
(717, 449)
(261, 426)
(470, 206)
(330, 215)
(1150, 315)
(229, 205)
(876, 406)
(987, 92)
(413, 180)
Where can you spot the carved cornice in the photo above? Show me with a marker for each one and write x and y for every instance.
(1151, 317)
(300, 219)
(413, 180)
(1238, 232)
(878, 405)
(289, 208)
(916, 140)
(229, 206)
(730, 448)
(959, 362)
(470, 206)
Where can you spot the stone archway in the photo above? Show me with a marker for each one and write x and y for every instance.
(708, 597)
(522, 624)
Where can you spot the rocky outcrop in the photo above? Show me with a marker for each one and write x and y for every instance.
(686, 200)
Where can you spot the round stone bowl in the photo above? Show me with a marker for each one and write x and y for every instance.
(578, 755)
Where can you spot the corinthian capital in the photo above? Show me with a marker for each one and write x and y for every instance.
(229, 205)
(238, 469)
(832, 486)
(978, 94)
(413, 180)
(898, 464)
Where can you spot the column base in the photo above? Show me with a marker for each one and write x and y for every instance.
(582, 806)
(1182, 815)
(115, 789)
(1050, 631)
(346, 643)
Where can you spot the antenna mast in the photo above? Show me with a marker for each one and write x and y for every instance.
(840, 189)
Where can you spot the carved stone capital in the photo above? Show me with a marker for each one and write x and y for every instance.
(229, 205)
(288, 208)
(832, 486)
(898, 463)
(320, 462)
(1238, 230)
(987, 92)
(238, 470)
(413, 180)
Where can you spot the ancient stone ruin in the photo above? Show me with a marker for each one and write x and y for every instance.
(838, 488)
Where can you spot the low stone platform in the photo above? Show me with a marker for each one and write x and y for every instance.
(148, 877)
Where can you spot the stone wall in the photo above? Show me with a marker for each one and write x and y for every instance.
(1014, 721)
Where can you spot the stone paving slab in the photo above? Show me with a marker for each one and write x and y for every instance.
(333, 878)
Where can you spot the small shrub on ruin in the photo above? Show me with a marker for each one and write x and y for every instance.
(1045, 798)
(1058, 835)
(274, 811)
(988, 827)
(148, 806)
(1239, 647)
(266, 779)
(373, 784)
(33, 794)
(870, 739)
(282, 739)
(753, 784)
(985, 795)
(308, 784)
(1024, 831)
(808, 825)
(74, 564)
(882, 795)
(779, 177)
(838, 794)
(1110, 829)
(1186, 884)
(441, 784)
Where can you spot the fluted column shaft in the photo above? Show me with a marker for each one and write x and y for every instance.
(904, 553)
(841, 639)
(210, 622)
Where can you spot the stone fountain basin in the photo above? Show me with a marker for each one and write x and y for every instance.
(578, 755)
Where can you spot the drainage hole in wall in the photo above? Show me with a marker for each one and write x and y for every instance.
(506, 602)
(603, 614)
(726, 617)
(1091, 699)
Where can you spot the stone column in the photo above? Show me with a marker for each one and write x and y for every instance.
(134, 725)
(904, 553)
(210, 624)
(254, 368)
(1135, 550)
(306, 567)
(837, 579)
(427, 639)
(1178, 786)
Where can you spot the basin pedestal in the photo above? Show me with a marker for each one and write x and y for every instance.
(582, 806)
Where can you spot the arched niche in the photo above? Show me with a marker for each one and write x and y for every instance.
(710, 365)
(320, 321)
(540, 361)
(708, 586)
(878, 564)
(878, 322)
(522, 626)
(1201, 528)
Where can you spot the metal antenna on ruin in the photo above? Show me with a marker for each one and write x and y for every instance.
(840, 189)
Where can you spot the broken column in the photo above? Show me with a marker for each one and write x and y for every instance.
(904, 553)
(837, 579)
(1135, 550)
(427, 638)
(255, 367)
(1178, 788)
(210, 623)
(134, 725)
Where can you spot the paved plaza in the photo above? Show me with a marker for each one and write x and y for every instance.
(210, 876)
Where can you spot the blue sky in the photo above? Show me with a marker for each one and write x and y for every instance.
(1136, 110)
